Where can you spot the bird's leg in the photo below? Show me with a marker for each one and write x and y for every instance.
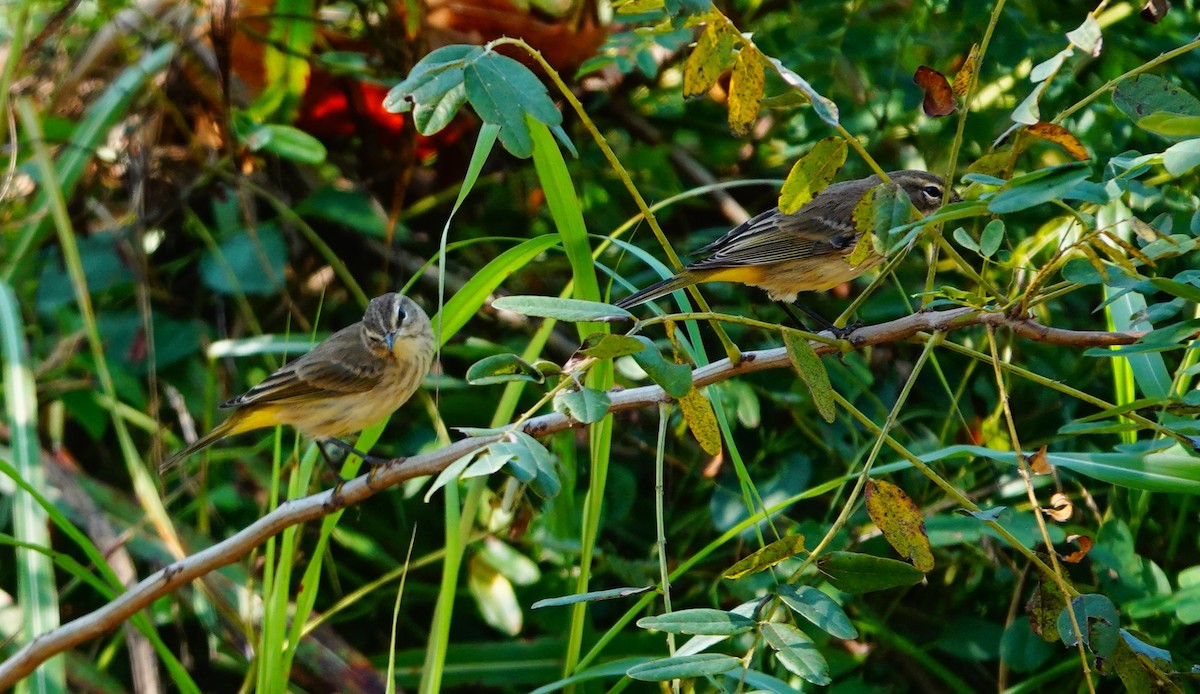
(822, 322)
(366, 458)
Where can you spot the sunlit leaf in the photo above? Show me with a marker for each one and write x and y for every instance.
(900, 521)
(763, 559)
(962, 80)
(812, 173)
(701, 421)
(745, 90)
(708, 59)
(1059, 136)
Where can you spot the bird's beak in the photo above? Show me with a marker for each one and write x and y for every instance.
(954, 196)
(390, 339)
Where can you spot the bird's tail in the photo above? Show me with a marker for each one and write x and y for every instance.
(219, 432)
(661, 288)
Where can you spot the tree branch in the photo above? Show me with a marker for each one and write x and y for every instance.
(312, 507)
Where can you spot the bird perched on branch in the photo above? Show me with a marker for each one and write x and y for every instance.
(355, 378)
(808, 250)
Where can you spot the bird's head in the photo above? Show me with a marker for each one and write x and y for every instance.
(923, 188)
(390, 321)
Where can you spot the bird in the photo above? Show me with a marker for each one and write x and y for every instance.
(351, 380)
(807, 250)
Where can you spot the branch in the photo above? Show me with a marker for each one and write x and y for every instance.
(312, 507)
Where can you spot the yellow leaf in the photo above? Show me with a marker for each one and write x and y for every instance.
(1060, 136)
(812, 173)
(745, 90)
(962, 80)
(901, 523)
(768, 556)
(708, 59)
(700, 418)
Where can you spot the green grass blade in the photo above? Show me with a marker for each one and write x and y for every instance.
(36, 587)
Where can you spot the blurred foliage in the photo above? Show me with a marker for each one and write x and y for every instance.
(222, 202)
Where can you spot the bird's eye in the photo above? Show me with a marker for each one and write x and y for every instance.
(932, 191)
(400, 314)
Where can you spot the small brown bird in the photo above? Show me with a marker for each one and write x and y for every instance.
(799, 252)
(353, 379)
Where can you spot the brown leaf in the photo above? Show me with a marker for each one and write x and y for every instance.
(1038, 462)
(1154, 10)
(962, 79)
(1085, 545)
(1060, 136)
(1061, 509)
(901, 522)
(939, 97)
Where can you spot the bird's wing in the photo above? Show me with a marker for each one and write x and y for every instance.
(771, 237)
(340, 365)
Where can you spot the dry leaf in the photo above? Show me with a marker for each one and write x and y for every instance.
(1060, 136)
(1154, 10)
(939, 97)
(1061, 509)
(962, 79)
(1085, 545)
(1038, 462)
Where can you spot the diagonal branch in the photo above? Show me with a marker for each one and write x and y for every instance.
(312, 507)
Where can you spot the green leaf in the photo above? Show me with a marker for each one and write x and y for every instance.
(812, 173)
(570, 310)
(863, 573)
(1170, 286)
(237, 264)
(502, 91)
(1145, 95)
(823, 611)
(586, 404)
(825, 109)
(812, 371)
(962, 238)
(286, 142)
(991, 238)
(1086, 36)
(353, 209)
(465, 304)
(1030, 190)
(796, 652)
(601, 346)
(698, 665)
(593, 596)
(1098, 623)
(763, 559)
(502, 368)
(1022, 649)
(1171, 124)
(700, 621)
(1182, 157)
(674, 378)
(430, 69)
